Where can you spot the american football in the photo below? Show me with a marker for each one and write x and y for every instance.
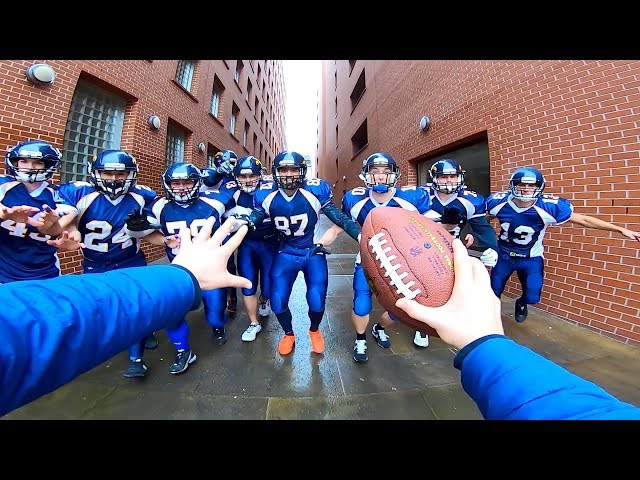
(405, 254)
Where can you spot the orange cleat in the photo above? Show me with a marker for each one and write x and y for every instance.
(317, 342)
(286, 344)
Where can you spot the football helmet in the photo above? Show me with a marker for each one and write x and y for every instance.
(379, 159)
(289, 159)
(113, 161)
(248, 165)
(34, 149)
(182, 171)
(225, 156)
(529, 176)
(447, 167)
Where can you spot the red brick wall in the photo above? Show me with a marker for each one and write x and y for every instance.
(29, 112)
(576, 121)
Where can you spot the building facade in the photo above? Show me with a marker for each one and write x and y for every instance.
(160, 111)
(576, 121)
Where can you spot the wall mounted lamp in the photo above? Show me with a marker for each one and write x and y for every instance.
(40, 74)
(154, 122)
(425, 123)
(201, 147)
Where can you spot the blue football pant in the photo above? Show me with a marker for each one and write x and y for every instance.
(530, 272)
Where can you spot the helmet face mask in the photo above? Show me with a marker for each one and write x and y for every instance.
(526, 176)
(41, 151)
(182, 171)
(291, 161)
(371, 172)
(248, 173)
(113, 161)
(446, 167)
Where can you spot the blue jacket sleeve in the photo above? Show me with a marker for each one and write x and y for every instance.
(53, 330)
(334, 214)
(508, 381)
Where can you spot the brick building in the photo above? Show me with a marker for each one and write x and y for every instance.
(160, 111)
(576, 121)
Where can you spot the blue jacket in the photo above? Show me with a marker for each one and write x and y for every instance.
(53, 330)
(510, 382)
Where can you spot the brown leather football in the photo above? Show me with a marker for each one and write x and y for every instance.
(405, 254)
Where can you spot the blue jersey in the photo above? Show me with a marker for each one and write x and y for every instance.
(358, 202)
(169, 217)
(24, 253)
(296, 216)
(242, 203)
(101, 221)
(469, 205)
(522, 229)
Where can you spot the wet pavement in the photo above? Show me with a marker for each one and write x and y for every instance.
(251, 381)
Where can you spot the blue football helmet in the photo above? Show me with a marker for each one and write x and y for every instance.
(447, 167)
(34, 149)
(113, 161)
(225, 156)
(248, 165)
(289, 159)
(182, 171)
(529, 176)
(379, 159)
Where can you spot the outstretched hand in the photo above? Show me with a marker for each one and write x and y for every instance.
(473, 310)
(67, 242)
(19, 214)
(206, 257)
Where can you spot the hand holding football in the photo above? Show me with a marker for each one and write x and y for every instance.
(406, 255)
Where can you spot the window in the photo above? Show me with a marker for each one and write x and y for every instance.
(94, 124)
(184, 73)
(261, 119)
(175, 144)
(336, 105)
(216, 97)
(352, 63)
(360, 139)
(336, 137)
(259, 75)
(255, 142)
(247, 97)
(245, 134)
(235, 111)
(358, 91)
(255, 108)
(211, 153)
(335, 81)
(237, 75)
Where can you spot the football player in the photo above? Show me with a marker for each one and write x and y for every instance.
(32, 212)
(524, 213)
(224, 162)
(103, 206)
(259, 247)
(380, 173)
(457, 206)
(184, 206)
(294, 204)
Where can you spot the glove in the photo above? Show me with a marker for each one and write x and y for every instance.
(489, 257)
(452, 216)
(225, 168)
(242, 219)
(137, 222)
(319, 248)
